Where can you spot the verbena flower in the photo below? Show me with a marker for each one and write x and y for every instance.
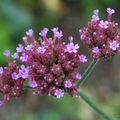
(51, 65)
(102, 37)
(11, 83)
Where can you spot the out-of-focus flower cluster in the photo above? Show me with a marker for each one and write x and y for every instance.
(102, 37)
(49, 65)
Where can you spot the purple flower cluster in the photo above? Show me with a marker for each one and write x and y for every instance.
(11, 81)
(102, 37)
(50, 65)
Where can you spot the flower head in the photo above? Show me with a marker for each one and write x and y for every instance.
(102, 37)
(7, 53)
(59, 93)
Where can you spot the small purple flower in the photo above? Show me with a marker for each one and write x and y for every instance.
(24, 57)
(14, 76)
(78, 76)
(68, 84)
(96, 12)
(29, 32)
(110, 11)
(70, 38)
(59, 34)
(1, 70)
(71, 48)
(114, 45)
(59, 93)
(55, 30)
(7, 53)
(20, 48)
(25, 39)
(44, 32)
(32, 83)
(15, 55)
(95, 18)
(2, 103)
(83, 58)
(24, 72)
(82, 36)
(96, 50)
(29, 47)
(103, 24)
(41, 50)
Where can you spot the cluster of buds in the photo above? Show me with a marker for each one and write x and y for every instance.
(10, 87)
(49, 65)
(102, 37)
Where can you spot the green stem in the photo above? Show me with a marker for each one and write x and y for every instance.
(87, 72)
(92, 104)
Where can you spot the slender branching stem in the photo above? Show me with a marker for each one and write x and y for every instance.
(87, 72)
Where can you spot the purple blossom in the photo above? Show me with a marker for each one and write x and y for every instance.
(15, 76)
(95, 18)
(44, 32)
(96, 50)
(24, 57)
(55, 30)
(24, 72)
(15, 55)
(83, 58)
(59, 93)
(29, 47)
(78, 76)
(32, 83)
(7, 53)
(2, 103)
(29, 32)
(114, 45)
(82, 36)
(110, 11)
(20, 48)
(71, 48)
(103, 24)
(68, 84)
(25, 39)
(1, 70)
(70, 38)
(96, 12)
(41, 50)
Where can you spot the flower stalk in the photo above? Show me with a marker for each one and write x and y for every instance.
(94, 106)
(88, 72)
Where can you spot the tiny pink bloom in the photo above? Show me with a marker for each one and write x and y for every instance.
(71, 48)
(2, 103)
(68, 84)
(32, 83)
(7, 53)
(83, 58)
(15, 55)
(110, 11)
(29, 47)
(95, 50)
(14, 76)
(29, 32)
(96, 12)
(24, 57)
(59, 93)
(25, 38)
(70, 38)
(1, 70)
(103, 24)
(20, 48)
(78, 76)
(114, 45)
(41, 50)
(44, 32)
(24, 72)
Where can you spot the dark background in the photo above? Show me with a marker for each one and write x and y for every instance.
(17, 16)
